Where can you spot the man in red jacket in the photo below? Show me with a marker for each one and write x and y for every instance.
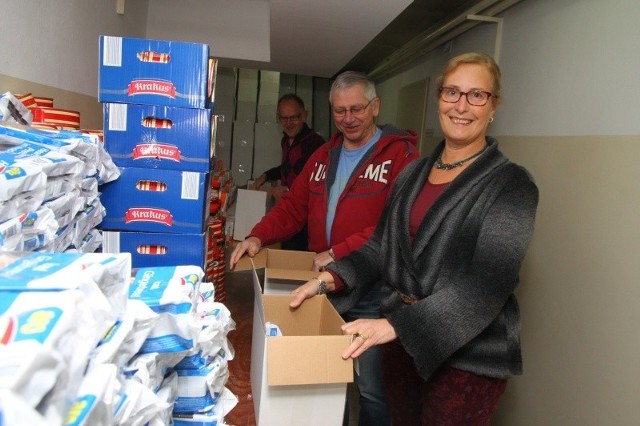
(340, 195)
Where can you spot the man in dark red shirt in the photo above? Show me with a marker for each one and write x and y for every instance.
(298, 143)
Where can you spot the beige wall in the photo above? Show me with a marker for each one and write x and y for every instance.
(579, 292)
(89, 107)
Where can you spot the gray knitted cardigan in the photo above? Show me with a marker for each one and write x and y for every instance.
(462, 266)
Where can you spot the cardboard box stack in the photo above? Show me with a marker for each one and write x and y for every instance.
(116, 337)
(159, 128)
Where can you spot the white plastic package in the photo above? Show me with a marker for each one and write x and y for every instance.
(59, 322)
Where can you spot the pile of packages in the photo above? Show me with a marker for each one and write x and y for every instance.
(83, 344)
(49, 179)
(221, 183)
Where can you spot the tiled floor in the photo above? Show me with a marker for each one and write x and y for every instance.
(239, 301)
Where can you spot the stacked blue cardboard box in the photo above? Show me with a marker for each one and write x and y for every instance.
(159, 128)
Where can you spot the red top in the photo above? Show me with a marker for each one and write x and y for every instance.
(359, 206)
(427, 196)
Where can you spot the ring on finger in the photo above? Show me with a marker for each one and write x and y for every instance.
(363, 337)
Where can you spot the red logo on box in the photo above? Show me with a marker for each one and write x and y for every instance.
(147, 214)
(156, 150)
(152, 87)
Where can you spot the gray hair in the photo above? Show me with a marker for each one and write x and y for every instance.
(348, 79)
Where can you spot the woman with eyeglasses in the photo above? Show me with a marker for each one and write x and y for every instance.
(447, 250)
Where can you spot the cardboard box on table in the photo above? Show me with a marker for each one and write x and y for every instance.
(298, 378)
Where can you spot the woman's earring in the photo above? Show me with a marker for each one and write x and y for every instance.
(490, 119)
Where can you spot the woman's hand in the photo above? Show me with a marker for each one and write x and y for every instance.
(304, 292)
(366, 333)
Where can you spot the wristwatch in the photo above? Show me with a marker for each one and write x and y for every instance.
(322, 286)
(333, 256)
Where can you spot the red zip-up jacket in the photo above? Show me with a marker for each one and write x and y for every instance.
(360, 204)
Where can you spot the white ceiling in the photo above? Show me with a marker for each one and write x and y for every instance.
(314, 37)
(319, 37)
(308, 37)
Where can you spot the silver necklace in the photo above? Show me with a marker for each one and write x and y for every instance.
(448, 166)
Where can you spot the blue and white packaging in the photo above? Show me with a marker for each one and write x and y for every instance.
(215, 324)
(150, 369)
(97, 397)
(20, 177)
(86, 147)
(53, 163)
(138, 404)
(171, 292)
(167, 393)
(172, 289)
(61, 322)
(15, 411)
(199, 388)
(98, 275)
(126, 336)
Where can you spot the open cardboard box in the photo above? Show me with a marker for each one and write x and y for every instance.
(284, 270)
(298, 378)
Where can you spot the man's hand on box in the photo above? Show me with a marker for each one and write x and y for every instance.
(250, 246)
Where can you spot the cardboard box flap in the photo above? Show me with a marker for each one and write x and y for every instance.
(316, 316)
(247, 263)
(331, 322)
(277, 259)
(290, 259)
(304, 360)
(291, 274)
(258, 311)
